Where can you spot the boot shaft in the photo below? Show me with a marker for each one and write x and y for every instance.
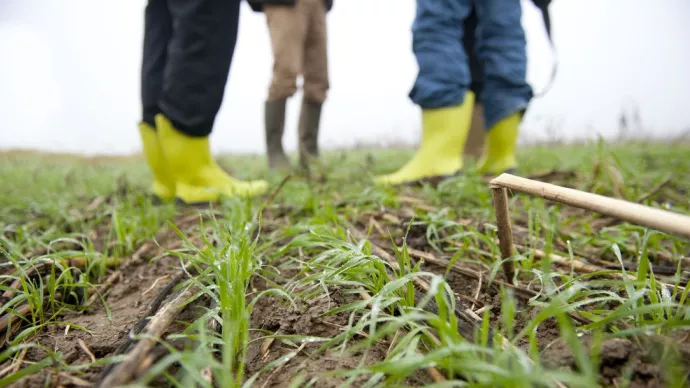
(274, 120)
(309, 122)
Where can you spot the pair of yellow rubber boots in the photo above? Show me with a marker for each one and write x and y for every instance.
(183, 167)
(444, 132)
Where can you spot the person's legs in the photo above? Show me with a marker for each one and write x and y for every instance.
(287, 27)
(199, 56)
(501, 47)
(441, 90)
(316, 84)
(157, 34)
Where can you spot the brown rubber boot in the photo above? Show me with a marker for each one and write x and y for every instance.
(309, 119)
(275, 125)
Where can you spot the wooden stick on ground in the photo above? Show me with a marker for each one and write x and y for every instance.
(9, 294)
(9, 318)
(661, 220)
(124, 371)
(505, 233)
(608, 221)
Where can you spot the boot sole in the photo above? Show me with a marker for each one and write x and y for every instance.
(158, 201)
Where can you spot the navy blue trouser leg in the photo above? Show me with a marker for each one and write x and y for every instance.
(502, 49)
(444, 75)
(437, 43)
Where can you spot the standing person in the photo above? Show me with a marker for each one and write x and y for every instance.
(187, 51)
(442, 86)
(299, 43)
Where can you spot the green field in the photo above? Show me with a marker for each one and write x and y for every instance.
(334, 281)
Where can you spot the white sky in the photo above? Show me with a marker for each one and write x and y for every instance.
(69, 74)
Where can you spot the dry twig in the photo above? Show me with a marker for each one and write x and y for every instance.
(467, 271)
(86, 349)
(124, 371)
(301, 347)
(277, 190)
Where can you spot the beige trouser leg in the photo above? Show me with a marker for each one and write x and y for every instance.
(299, 43)
(315, 62)
(287, 26)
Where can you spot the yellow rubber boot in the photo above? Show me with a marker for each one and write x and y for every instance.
(198, 178)
(499, 149)
(163, 183)
(444, 133)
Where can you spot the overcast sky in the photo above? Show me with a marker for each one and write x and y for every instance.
(69, 74)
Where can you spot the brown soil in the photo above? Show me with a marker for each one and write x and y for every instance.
(308, 320)
(489, 295)
(128, 301)
(622, 361)
(131, 298)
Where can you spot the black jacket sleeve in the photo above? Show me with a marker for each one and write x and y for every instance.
(258, 5)
(541, 3)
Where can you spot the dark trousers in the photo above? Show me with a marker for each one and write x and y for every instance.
(469, 41)
(188, 49)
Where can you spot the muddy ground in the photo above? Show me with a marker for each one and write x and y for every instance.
(139, 282)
